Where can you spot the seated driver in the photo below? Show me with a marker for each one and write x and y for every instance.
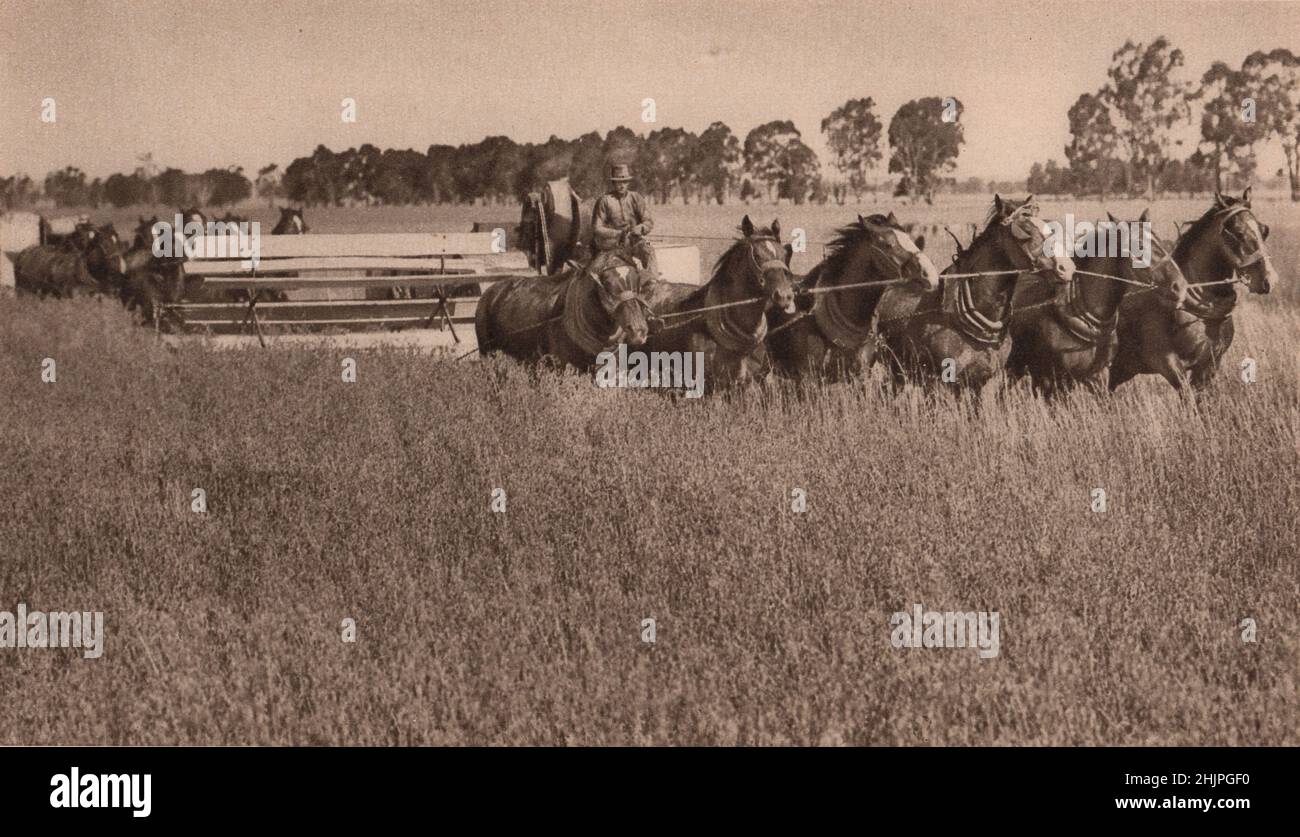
(621, 221)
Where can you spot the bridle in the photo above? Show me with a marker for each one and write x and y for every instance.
(611, 302)
(1250, 258)
(761, 268)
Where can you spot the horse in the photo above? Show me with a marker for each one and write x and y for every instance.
(555, 226)
(570, 318)
(1065, 336)
(955, 333)
(1184, 344)
(291, 222)
(726, 318)
(63, 271)
(153, 282)
(833, 341)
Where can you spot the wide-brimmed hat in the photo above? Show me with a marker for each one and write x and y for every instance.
(620, 172)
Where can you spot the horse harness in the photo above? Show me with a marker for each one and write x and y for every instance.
(726, 333)
(1198, 307)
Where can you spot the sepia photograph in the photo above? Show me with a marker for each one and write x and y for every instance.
(441, 374)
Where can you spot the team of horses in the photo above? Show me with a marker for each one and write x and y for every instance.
(95, 260)
(1008, 301)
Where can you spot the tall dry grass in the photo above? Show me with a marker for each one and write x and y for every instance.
(370, 500)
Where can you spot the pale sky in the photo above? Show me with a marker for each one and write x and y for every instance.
(203, 84)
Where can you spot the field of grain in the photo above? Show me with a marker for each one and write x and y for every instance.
(371, 501)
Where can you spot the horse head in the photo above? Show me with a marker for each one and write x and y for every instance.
(143, 238)
(1023, 239)
(619, 288)
(291, 222)
(105, 256)
(764, 267)
(1241, 239)
(1160, 271)
(895, 253)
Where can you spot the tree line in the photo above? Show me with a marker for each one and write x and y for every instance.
(1123, 136)
(772, 162)
(1123, 140)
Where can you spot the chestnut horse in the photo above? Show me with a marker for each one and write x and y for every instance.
(1184, 344)
(1063, 336)
(571, 317)
(955, 334)
(833, 340)
(726, 317)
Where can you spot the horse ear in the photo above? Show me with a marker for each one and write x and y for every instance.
(998, 204)
(1145, 216)
(920, 242)
(1245, 197)
(776, 229)
(1111, 216)
(892, 219)
(747, 226)
(1028, 200)
(789, 253)
(862, 222)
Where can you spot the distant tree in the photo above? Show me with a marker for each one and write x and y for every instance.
(1147, 102)
(802, 172)
(587, 171)
(1227, 138)
(715, 168)
(1094, 143)
(67, 187)
(664, 162)
(267, 184)
(170, 187)
(853, 136)
(924, 145)
(1273, 79)
(776, 156)
(95, 193)
(17, 191)
(440, 183)
(126, 190)
(551, 160)
(228, 186)
(400, 177)
(621, 146)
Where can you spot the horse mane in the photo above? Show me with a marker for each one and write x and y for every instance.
(988, 227)
(759, 232)
(847, 238)
(1199, 226)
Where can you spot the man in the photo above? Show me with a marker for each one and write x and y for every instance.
(622, 221)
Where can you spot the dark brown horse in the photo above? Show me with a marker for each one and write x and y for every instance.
(1066, 335)
(570, 318)
(1184, 344)
(955, 334)
(152, 282)
(751, 276)
(291, 223)
(66, 270)
(833, 341)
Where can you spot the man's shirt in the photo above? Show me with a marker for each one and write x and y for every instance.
(613, 215)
